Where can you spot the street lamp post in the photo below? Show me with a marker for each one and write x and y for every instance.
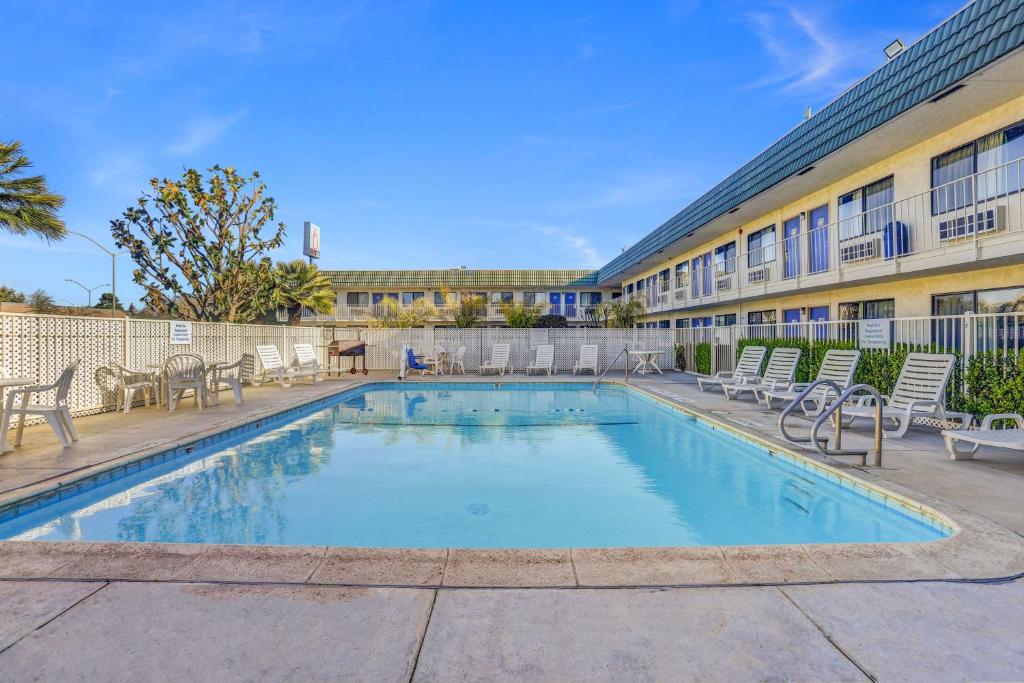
(87, 289)
(113, 268)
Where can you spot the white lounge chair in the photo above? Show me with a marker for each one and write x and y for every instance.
(919, 392)
(306, 363)
(274, 368)
(587, 359)
(131, 381)
(837, 365)
(56, 410)
(230, 376)
(748, 365)
(986, 435)
(499, 362)
(545, 360)
(778, 375)
(182, 372)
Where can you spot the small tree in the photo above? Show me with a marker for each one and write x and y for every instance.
(41, 302)
(552, 321)
(199, 246)
(625, 312)
(298, 285)
(26, 204)
(599, 315)
(104, 302)
(518, 314)
(391, 315)
(11, 295)
(469, 311)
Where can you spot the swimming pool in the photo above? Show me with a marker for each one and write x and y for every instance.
(475, 465)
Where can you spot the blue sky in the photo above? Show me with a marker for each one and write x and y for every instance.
(419, 134)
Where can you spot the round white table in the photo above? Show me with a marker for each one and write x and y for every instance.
(9, 383)
(647, 360)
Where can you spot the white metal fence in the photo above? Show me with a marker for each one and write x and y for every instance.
(716, 348)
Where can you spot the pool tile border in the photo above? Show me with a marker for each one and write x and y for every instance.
(977, 548)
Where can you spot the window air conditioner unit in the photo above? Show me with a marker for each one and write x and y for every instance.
(756, 277)
(863, 251)
(989, 220)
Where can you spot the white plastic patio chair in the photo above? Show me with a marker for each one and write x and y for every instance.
(182, 372)
(545, 360)
(274, 368)
(55, 411)
(838, 365)
(919, 392)
(748, 365)
(457, 360)
(1007, 437)
(131, 381)
(306, 363)
(230, 376)
(779, 374)
(434, 358)
(499, 361)
(587, 359)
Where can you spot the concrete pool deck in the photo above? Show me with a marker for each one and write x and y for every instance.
(654, 613)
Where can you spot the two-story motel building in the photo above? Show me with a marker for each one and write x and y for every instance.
(900, 198)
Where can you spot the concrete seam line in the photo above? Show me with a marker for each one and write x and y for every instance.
(64, 611)
(319, 563)
(423, 637)
(828, 636)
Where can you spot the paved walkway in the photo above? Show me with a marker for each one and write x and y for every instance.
(58, 630)
(62, 631)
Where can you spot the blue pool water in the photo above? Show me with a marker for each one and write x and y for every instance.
(455, 465)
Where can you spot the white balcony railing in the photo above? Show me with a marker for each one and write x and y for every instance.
(492, 312)
(971, 219)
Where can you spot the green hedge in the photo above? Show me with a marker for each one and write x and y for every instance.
(996, 383)
(877, 367)
(702, 357)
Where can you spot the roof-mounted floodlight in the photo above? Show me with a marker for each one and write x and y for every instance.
(894, 48)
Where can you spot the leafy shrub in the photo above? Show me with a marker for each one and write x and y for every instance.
(551, 321)
(702, 357)
(996, 383)
(681, 357)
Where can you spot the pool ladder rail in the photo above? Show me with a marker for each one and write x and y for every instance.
(611, 365)
(835, 409)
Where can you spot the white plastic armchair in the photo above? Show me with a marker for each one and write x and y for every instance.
(230, 376)
(32, 401)
(131, 381)
(182, 372)
(457, 360)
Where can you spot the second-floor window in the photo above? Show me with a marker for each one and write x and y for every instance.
(357, 299)
(725, 258)
(501, 297)
(682, 273)
(409, 297)
(663, 280)
(866, 210)
(590, 298)
(997, 158)
(439, 299)
(761, 247)
(534, 298)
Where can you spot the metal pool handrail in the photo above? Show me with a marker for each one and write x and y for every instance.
(623, 351)
(835, 408)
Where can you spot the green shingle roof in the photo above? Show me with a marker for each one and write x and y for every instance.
(457, 278)
(977, 35)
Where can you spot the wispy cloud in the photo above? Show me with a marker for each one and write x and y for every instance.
(640, 188)
(579, 248)
(806, 51)
(584, 54)
(621, 106)
(203, 131)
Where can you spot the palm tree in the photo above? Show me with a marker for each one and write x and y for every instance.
(299, 285)
(26, 204)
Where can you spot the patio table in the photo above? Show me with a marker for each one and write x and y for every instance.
(9, 383)
(647, 360)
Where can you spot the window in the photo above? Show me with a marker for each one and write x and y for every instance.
(357, 299)
(629, 289)
(725, 320)
(866, 210)
(439, 299)
(725, 258)
(501, 297)
(868, 310)
(761, 247)
(664, 324)
(702, 322)
(993, 301)
(682, 274)
(590, 298)
(761, 317)
(663, 277)
(995, 158)
(534, 298)
(409, 297)
(682, 323)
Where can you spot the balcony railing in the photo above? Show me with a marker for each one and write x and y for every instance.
(492, 313)
(974, 218)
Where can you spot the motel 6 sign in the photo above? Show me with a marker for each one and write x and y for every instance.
(311, 240)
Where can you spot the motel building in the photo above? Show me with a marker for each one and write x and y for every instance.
(900, 198)
(362, 294)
